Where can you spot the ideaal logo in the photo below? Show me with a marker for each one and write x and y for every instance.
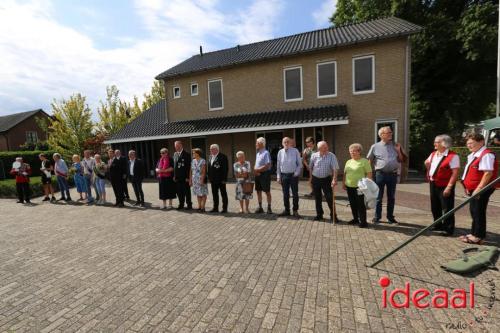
(440, 298)
(423, 298)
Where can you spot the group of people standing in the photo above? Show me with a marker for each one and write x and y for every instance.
(185, 174)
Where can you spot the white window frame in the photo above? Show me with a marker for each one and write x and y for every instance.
(197, 88)
(394, 133)
(301, 84)
(221, 94)
(173, 92)
(317, 78)
(31, 135)
(354, 92)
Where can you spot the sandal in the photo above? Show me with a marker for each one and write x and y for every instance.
(469, 240)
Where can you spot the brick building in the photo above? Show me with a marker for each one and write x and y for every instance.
(337, 84)
(20, 128)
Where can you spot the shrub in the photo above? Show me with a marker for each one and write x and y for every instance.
(8, 187)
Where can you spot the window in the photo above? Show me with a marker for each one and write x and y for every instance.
(31, 137)
(393, 124)
(326, 74)
(363, 75)
(177, 92)
(194, 89)
(215, 95)
(293, 84)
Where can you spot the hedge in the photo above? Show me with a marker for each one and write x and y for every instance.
(8, 187)
(30, 157)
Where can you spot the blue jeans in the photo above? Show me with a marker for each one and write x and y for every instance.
(100, 186)
(63, 187)
(288, 180)
(388, 180)
(88, 181)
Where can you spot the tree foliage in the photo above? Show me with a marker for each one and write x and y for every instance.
(70, 126)
(453, 61)
(156, 95)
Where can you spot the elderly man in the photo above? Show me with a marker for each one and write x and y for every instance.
(288, 168)
(136, 175)
(386, 157)
(262, 171)
(217, 175)
(117, 174)
(88, 164)
(323, 167)
(182, 167)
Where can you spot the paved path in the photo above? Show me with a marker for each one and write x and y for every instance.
(67, 268)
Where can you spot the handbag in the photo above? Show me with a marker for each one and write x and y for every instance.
(247, 187)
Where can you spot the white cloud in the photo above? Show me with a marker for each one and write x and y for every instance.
(322, 14)
(40, 59)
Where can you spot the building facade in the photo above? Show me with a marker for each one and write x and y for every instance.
(21, 128)
(337, 84)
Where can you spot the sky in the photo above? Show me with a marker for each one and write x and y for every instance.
(51, 49)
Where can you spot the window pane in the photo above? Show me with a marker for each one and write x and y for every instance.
(215, 89)
(363, 74)
(194, 89)
(326, 79)
(293, 89)
(177, 92)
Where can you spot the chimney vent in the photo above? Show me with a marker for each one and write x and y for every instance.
(201, 50)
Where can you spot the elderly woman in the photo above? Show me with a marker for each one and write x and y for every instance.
(165, 175)
(61, 172)
(356, 168)
(198, 178)
(442, 172)
(100, 169)
(242, 171)
(78, 178)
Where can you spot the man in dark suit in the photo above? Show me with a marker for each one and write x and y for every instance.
(217, 174)
(117, 175)
(136, 175)
(124, 163)
(182, 166)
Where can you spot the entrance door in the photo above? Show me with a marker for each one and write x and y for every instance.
(200, 142)
(273, 145)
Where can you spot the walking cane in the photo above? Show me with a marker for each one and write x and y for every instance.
(334, 216)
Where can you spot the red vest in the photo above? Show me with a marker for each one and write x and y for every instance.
(473, 175)
(442, 174)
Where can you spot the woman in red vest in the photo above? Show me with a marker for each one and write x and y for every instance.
(442, 172)
(480, 170)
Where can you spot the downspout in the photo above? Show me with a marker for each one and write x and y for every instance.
(407, 94)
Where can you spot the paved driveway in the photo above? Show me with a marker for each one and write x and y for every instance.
(66, 268)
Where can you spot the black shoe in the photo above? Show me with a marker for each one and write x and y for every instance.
(363, 225)
(224, 211)
(137, 204)
(318, 218)
(28, 202)
(53, 199)
(269, 210)
(214, 210)
(46, 199)
(376, 220)
(68, 200)
(61, 199)
(19, 201)
(296, 213)
(284, 213)
(121, 205)
(126, 198)
(353, 221)
(189, 207)
(259, 210)
(180, 208)
(392, 221)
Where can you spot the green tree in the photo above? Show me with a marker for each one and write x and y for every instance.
(453, 61)
(114, 114)
(156, 95)
(70, 126)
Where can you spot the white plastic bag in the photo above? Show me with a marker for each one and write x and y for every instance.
(369, 189)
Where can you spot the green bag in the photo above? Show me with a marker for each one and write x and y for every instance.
(484, 257)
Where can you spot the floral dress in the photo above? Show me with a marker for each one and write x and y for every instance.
(239, 168)
(199, 189)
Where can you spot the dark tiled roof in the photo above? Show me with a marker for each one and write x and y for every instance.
(139, 128)
(146, 124)
(11, 120)
(286, 46)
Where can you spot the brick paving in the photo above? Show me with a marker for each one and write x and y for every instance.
(77, 268)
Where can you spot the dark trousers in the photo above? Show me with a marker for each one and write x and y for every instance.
(117, 184)
(23, 191)
(441, 205)
(62, 182)
(289, 181)
(125, 188)
(137, 186)
(184, 193)
(357, 203)
(478, 212)
(388, 180)
(322, 186)
(88, 182)
(216, 187)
